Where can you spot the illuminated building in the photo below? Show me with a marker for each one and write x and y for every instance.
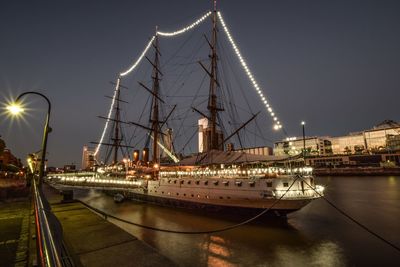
(88, 158)
(385, 137)
(205, 136)
(314, 146)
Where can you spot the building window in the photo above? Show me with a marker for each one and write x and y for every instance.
(286, 184)
(189, 182)
(197, 182)
(206, 183)
(269, 184)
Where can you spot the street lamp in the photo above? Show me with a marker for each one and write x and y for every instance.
(303, 123)
(16, 108)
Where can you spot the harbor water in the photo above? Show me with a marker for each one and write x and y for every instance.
(317, 235)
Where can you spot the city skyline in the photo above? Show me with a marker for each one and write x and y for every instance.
(330, 64)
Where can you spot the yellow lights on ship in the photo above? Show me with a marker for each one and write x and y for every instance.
(276, 127)
(156, 166)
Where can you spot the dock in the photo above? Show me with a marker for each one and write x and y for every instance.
(94, 241)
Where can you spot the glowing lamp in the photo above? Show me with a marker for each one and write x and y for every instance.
(15, 109)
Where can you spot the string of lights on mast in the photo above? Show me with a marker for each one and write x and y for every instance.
(249, 74)
(277, 124)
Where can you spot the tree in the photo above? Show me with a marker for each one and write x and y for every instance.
(2, 146)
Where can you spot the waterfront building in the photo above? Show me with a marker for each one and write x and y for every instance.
(7, 158)
(261, 150)
(314, 146)
(88, 158)
(205, 136)
(69, 168)
(374, 160)
(384, 137)
(350, 144)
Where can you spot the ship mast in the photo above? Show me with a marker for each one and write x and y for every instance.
(212, 98)
(155, 105)
(116, 139)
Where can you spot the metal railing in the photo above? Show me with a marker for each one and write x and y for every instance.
(50, 248)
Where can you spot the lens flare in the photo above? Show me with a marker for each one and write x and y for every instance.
(15, 109)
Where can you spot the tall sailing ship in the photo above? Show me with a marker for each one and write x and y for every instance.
(218, 177)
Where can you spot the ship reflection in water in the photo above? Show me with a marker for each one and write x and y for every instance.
(314, 236)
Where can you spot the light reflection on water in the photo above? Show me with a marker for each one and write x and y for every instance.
(315, 236)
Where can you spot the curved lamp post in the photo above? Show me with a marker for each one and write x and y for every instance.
(16, 108)
(48, 245)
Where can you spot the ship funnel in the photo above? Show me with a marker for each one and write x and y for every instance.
(135, 156)
(145, 155)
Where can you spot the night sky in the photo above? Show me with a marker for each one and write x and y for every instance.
(334, 64)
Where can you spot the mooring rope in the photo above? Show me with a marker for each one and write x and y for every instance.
(107, 215)
(355, 221)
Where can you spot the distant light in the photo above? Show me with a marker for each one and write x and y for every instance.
(303, 123)
(15, 109)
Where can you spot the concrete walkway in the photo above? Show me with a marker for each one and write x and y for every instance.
(93, 241)
(14, 233)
